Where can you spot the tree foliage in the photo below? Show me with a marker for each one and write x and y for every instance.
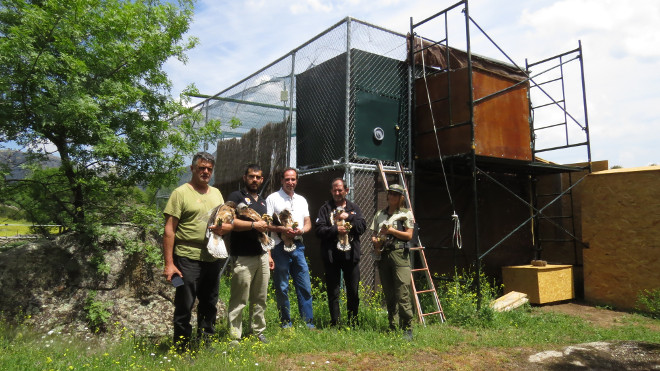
(84, 79)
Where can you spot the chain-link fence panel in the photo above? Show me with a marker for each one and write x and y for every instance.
(342, 101)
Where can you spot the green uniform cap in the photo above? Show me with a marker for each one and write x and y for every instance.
(396, 188)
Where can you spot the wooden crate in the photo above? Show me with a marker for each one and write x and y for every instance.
(541, 284)
(501, 122)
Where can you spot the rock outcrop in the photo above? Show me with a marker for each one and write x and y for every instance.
(46, 284)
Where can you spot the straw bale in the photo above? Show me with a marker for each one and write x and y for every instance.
(621, 225)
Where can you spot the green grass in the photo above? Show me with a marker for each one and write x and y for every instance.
(13, 230)
(527, 327)
(24, 228)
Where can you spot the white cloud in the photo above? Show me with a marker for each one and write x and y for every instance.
(308, 6)
(621, 58)
(620, 27)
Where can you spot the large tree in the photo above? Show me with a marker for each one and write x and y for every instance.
(84, 80)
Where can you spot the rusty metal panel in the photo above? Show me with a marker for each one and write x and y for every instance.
(501, 122)
(452, 140)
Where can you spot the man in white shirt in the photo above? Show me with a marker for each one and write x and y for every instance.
(293, 262)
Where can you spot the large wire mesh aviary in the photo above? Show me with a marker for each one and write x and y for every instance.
(341, 100)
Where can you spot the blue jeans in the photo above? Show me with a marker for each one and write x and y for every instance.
(293, 263)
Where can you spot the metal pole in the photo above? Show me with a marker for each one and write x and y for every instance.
(411, 105)
(284, 109)
(584, 100)
(206, 121)
(474, 156)
(289, 124)
(347, 115)
(532, 179)
(563, 97)
(350, 175)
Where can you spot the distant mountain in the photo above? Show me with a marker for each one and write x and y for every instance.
(16, 159)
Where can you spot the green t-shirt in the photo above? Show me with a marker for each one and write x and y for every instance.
(193, 211)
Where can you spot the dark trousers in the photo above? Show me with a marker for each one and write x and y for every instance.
(333, 272)
(201, 281)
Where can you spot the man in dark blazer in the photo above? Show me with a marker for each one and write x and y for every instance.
(340, 249)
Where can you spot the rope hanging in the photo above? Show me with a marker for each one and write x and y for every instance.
(457, 239)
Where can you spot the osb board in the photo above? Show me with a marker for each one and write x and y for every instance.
(509, 301)
(501, 121)
(568, 179)
(541, 284)
(621, 224)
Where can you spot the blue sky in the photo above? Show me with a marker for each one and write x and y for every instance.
(620, 40)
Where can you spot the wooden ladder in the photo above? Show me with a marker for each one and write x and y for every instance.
(418, 265)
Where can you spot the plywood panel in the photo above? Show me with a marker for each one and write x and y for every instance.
(621, 224)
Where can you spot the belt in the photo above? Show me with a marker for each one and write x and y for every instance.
(396, 246)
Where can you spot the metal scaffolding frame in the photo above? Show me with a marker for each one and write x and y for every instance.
(480, 168)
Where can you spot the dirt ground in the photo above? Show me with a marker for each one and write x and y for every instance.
(624, 355)
(598, 316)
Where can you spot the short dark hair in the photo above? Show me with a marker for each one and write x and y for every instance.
(342, 182)
(205, 156)
(290, 168)
(253, 167)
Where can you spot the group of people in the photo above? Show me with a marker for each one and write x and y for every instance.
(339, 225)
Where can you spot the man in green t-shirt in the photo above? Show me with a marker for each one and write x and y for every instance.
(184, 249)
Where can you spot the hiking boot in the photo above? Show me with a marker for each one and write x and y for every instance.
(407, 334)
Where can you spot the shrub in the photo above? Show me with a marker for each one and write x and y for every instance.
(460, 302)
(11, 212)
(648, 301)
(96, 312)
